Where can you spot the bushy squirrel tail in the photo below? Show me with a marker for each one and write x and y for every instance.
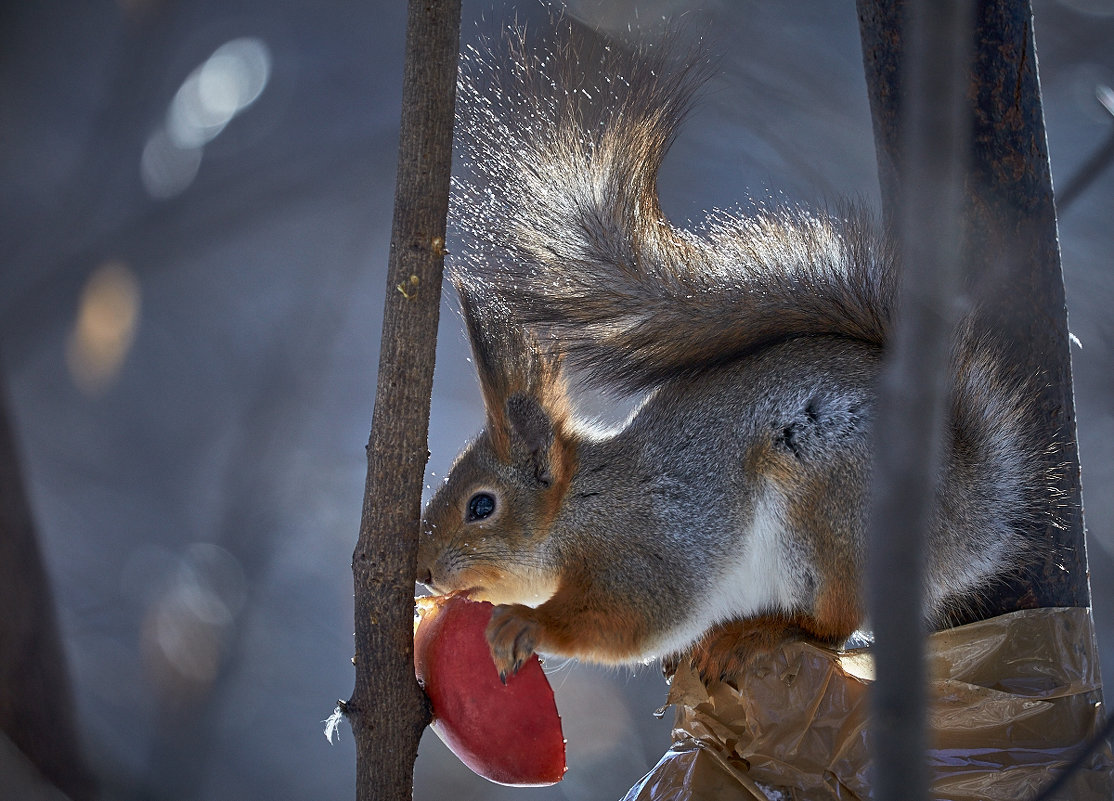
(560, 214)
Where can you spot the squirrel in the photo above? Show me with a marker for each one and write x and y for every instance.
(726, 515)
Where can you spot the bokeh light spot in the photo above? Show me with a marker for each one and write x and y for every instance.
(104, 328)
(229, 81)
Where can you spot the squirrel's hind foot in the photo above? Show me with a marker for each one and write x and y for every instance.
(730, 649)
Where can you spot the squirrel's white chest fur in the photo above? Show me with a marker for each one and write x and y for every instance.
(760, 575)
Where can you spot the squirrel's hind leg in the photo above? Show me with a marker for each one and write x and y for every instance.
(729, 649)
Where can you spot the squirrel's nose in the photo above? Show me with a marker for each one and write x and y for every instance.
(425, 577)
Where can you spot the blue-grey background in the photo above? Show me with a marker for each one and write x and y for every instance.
(189, 315)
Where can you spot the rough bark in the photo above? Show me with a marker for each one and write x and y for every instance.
(1013, 249)
(36, 703)
(388, 710)
(1011, 269)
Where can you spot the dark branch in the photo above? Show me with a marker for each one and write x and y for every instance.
(1012, 244)
(388, 711)
(36, 703)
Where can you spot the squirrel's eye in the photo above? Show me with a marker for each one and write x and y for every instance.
(480, 505)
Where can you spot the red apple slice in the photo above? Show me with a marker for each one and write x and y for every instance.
(509, 734)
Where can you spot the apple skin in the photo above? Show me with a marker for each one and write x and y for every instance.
(508, 733)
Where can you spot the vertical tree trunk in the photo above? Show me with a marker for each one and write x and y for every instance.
(1013, 248)
(36, 704)
(388, 711)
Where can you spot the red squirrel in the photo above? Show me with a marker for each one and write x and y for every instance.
(726, 515)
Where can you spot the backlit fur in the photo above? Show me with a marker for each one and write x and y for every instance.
(727, 514)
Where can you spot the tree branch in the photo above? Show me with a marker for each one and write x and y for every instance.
(36, 703)
(388, 710)
(1012, 238)
(1010, 244)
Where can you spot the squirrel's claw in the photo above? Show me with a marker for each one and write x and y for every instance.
(669, 664)
(512, 636)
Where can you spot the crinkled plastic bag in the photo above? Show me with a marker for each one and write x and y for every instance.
(1013, 699)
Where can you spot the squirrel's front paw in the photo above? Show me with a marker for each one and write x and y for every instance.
(512, 635)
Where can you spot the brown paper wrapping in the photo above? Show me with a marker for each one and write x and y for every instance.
(1013, 699)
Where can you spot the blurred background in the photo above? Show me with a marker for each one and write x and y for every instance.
(194, 226)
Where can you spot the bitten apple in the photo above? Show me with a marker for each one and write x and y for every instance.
(508, 733)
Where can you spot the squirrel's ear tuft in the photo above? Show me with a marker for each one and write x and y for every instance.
(523, 385)
(534, 428)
